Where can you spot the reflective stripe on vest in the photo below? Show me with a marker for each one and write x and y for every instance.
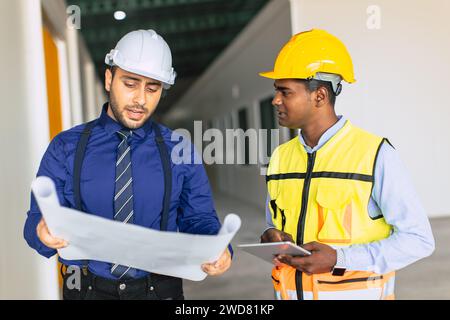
(324, 197)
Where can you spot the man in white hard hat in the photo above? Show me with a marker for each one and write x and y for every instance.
(118, 167)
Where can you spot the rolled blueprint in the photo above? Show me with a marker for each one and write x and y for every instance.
(44, 189)
(94, 238)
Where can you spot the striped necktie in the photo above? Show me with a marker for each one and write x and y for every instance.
(123, 196)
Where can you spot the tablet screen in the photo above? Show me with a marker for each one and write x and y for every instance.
(267, 251)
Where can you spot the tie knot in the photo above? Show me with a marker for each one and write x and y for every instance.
(124, 134)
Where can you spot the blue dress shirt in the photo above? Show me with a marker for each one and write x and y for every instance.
(395, 198)
(191, 206)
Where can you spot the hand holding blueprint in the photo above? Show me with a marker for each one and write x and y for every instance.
(95, 238)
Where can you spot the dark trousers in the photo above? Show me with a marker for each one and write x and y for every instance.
(91, 287)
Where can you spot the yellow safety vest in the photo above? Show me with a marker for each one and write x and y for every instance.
(323, 197)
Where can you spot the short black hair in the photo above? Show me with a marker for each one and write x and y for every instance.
(113, 70)
(313, 84)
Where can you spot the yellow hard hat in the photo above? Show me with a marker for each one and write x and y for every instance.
(312, 52)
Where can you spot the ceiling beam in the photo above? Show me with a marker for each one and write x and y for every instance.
(170, 26)
(89, 7)
(179, 46)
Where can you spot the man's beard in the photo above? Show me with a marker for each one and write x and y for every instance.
(121, 118)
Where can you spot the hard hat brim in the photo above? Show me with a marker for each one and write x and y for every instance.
(271, 75)
(267, 74)
(165, 82)
(277, 76)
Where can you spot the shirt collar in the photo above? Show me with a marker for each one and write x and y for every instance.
(111, 126)
(327, 135)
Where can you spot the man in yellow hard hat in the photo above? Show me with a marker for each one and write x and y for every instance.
(337, 190)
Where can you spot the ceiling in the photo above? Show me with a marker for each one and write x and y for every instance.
(197, 31)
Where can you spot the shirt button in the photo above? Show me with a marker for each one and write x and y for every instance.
(122, 286)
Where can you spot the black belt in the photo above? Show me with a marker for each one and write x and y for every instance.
(117, 286)
(165, 287)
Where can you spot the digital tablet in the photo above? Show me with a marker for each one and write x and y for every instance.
(267, 251)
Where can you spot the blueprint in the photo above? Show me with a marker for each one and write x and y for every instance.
(94, 238)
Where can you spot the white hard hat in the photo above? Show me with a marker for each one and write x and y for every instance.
(145, 53)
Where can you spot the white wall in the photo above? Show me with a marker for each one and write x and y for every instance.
(24, 130)
(402, 72)
(90, 89)
(253, 51)
(76, 96)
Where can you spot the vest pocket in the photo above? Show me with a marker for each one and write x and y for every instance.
(354, 286)
(334, 209)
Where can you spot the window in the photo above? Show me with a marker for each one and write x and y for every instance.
(243, 124)
(267, 122)
(209, 124)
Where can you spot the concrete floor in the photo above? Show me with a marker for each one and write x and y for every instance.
(249, 277)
